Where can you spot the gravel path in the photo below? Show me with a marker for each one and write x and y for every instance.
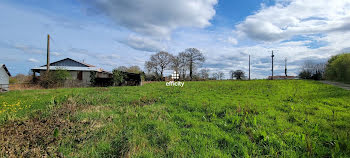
(338, 84)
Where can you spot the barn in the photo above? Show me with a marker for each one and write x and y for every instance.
(4, 78)
(80, 72)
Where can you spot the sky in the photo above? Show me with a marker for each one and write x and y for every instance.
(112, 33)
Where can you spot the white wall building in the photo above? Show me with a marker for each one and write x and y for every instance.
(4, 78)
(80, 72)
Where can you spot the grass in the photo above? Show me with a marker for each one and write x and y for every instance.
(291, 118)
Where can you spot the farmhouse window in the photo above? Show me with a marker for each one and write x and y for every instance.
(80, 75)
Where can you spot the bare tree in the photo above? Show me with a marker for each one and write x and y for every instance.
(122, 68)
(204, 73)
(159, 62)
(215, 76)
(153, 70)
(134, 69)
(195, 58)
(313, 67)
(183, 64)
(221, 75)
(131, 69)
(218, 75)
(311, 70)
(175, 63)
(151, 67)
(232, 74)
(239, 74)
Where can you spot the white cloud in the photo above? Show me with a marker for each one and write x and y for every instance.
(33, 50)
(232, 40)
(223, 56)
(314, 22)
(33, 60)
(157, 17)
(55, 53)
(28, 49)
(108, 57)
(297, 17)
(143, 43)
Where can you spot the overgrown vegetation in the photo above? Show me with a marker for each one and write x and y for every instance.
(118, 77)
(93, 78)
(338, 68)
(21, 78)
(54, 78)
(262, 118)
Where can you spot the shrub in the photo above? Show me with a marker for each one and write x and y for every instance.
(152, 77)
(20, 78)
(305, 74)
(13, 80)
(54, 78)
(338, 68)
(93, 78)
(118, 77)
(317, 75)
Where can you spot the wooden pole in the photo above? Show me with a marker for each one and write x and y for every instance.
(48, 54)
(249, 67)
(272, 64)
(285, 67)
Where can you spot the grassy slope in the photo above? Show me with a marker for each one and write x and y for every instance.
(205, 119)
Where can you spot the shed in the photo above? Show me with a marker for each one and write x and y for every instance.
(4, 78)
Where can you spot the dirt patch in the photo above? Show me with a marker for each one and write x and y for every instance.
(102, 89)
(143, 101)
(90, 109)
(40, 137)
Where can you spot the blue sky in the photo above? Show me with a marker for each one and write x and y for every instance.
(111, 33)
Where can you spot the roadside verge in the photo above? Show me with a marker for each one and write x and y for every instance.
(338, 84)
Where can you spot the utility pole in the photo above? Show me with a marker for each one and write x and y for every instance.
(48, 54)
(272, 64)
(285, 67)
(249, 67)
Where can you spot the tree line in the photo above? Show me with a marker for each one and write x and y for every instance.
(337, 68)
(185, 62)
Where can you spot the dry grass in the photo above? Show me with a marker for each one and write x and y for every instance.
(40, 136)
(24, 86)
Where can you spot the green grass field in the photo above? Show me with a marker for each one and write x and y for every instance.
(260, 118)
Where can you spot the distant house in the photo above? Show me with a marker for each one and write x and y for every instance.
(80, 72)
(4, 78)
(283, 77)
